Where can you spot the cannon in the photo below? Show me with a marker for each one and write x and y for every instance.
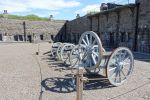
(65, 52)
(117, 65)
(61, 51)
(54, 48)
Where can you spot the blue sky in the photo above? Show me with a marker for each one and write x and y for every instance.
(60, 9)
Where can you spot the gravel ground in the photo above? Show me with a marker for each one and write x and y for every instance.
(26, 76)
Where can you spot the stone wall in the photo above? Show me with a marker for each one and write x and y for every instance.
(144, 26)
(117, 27)
(144, 13)
(76, 27)
(36, 30)
(108, 25)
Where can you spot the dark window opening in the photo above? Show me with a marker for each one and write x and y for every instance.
(29, 38)
(123, 36)
(1, 37)
(52, 37)
(111, 39)
(16, 37)
(41, 37)
(20, 38)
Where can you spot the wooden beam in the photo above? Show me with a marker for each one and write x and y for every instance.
(79, 84)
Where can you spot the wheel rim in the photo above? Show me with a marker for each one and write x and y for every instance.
(74, 56)
(59, 51)
(65, 52)
(120, 66)
(102, 63)
(90, 43)
(54, 48)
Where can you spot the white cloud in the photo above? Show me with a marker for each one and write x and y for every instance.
(92, 7)
(96, 7)
(12, 6)
(52, 5)
(54, 13)
(88, 8)
(47, 14)
(27, 5)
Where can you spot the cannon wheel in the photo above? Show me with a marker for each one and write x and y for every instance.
(92, 47)
(59, 50)
(65, 52)
(54, 48)
(97, 70)
(74, 56)
(120, 66)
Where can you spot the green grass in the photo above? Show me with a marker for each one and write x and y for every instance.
(92, 12)
(27, 17)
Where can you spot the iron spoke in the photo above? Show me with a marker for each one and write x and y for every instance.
(126, 59)
(87, 39)
(123, 73)
(112, 69)
(84, 42)
(93, 58)
(90, 39)
(95, 53)
(93, 43)
(119, 76)
(116, 75)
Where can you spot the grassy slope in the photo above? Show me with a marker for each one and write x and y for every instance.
(27, 17)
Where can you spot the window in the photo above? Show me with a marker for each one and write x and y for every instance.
(1, 37)
(20, 38)
(52, 37)
(41, 37)
(123, 37)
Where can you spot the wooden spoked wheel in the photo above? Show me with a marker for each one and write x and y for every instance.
(54, 48)
(74, 56)
(59, 50)
(120, 66)
(65, 52)
(91, 44)
(97, 70)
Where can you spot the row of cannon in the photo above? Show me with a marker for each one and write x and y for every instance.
(116, 65)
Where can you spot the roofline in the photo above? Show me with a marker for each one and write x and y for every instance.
(132, 5)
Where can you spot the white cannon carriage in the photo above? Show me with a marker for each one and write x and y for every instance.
(90, 54)
(61, 51)
(116, 65)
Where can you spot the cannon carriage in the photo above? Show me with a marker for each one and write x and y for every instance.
(61, 51)
(116, 65)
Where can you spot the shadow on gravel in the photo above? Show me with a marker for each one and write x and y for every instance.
(67, 85)
(142, 57)
(101, 83)
(47, 53)
(60, 85)
(53, 62)
(49, 58)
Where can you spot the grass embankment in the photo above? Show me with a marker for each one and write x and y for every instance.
(27, 17)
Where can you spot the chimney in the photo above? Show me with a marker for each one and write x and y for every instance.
(103, 7)
(78, 16)
(51, 17)
(5, 12)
